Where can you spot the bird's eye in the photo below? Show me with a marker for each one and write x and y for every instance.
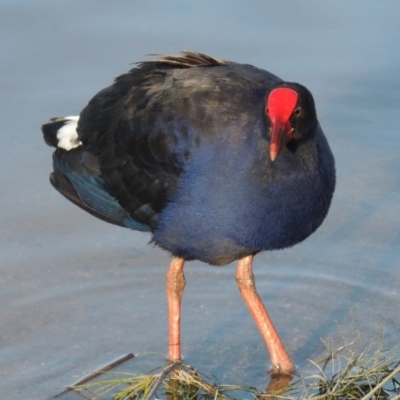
(297, 112)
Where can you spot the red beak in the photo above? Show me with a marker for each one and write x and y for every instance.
(280, 106)
(281, 134)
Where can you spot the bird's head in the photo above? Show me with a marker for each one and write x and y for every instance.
(292, 117)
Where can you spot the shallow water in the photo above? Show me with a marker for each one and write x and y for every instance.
(75, 292)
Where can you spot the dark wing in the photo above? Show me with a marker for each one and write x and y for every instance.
(77, 177)
(139, 131)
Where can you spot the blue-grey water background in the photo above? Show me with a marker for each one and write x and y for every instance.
(75, 292)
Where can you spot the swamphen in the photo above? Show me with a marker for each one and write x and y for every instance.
(217, 160)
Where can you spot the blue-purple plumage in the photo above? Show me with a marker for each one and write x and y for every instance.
(180, 147)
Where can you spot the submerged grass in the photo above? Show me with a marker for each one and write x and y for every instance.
(346, 373)
(175, 381)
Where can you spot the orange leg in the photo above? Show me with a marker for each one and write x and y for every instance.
(175, 285)
(244, 277)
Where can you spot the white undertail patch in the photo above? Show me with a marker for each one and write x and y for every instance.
(67, 135)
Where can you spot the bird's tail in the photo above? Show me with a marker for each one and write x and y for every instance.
(62, 133)
(77, 174)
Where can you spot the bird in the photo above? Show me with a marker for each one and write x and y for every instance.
(217, 160)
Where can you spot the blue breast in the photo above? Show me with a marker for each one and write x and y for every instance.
(232, 201)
